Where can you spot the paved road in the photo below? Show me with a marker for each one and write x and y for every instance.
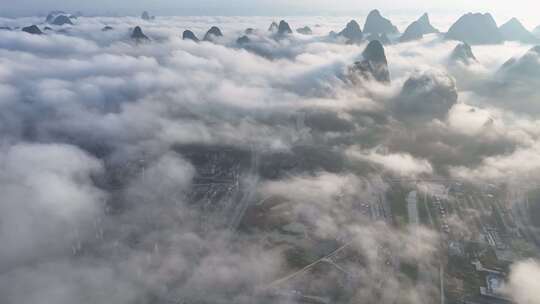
(306, 268)
(441, 278)
(249, 186)
(427, 274)
(412, 208)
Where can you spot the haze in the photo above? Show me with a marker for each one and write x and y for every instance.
(160, 152)
(525, 9)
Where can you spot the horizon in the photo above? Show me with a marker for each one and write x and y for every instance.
(524, 10)
(442, 19)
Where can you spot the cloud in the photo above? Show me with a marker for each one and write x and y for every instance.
(55, 44)
(108, 146)
(469, 120)
(397, 163)
(512, 85)
(524, 282)
(488, 122)
(428, 95)
(65, 282)
(49, 200)
(518, 165)
(333, 205)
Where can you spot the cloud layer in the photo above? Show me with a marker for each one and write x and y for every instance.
(105, 143)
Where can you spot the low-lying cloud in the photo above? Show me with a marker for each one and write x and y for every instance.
(524, 282)
(100, 198)
(401, 164)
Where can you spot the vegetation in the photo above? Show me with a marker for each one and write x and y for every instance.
(299, 257)
(523, 249)
(534, 205)
(397, 198)
(423, 213)
(410, 270)
(460, 269)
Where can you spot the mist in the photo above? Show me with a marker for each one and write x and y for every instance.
(504, 10)
(284, 168)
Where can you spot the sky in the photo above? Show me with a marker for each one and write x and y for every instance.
(523, 9)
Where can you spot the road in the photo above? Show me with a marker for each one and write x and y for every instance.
(306, 268)
(441, 279)
(427, 274)
(412, 208)
(424, 277)
(250, 188)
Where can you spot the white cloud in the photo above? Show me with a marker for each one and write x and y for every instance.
(48, 201)
(469, 120)
(397, 163)
(92, 179)
(521, 164)
(524, 282)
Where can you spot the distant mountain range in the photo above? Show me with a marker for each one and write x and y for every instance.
(471, 29)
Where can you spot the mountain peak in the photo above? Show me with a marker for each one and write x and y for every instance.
(377, 24)
(284, 28)
(61, 20)
(375, 52)
(413, 32)
(475, 28)
(425, 24)
(535, 49)
(353, 25)
(523, 68)
(427, 95)
(243, 40)
(306, 30)
(273, 27)
(138, 35)
(513, 30)
(213, 33)
(515, 21)
(52, 15)
(146, 16)
(373, 64)
(463, 53)
(352, 32)
(32, 29)
(189, 35)
(374, 13)
(418, 29)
